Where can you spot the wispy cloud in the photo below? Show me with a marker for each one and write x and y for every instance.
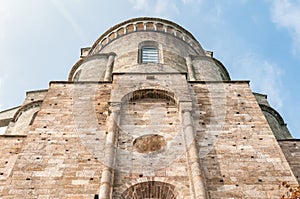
(166, 6)
(0, 94)
(68, 17)
(286, 14)
(156, 7)
(191, 1)
(266, 78)
(140, 4)
(4, 19)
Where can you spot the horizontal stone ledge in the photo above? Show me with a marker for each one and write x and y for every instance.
(37, 91)
(147, 73)
(22, 136)
(289, 140)
(217, 82)
(80, 82)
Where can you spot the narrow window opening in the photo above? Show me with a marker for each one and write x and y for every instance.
(76, 77)
(33, 118)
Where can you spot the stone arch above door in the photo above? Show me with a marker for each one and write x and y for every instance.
(150, 190)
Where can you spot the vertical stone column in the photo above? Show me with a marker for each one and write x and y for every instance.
(106, 185)
(196, 176)
(109, 67)
(189, 64)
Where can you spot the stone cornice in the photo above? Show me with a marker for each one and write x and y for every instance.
(145, 24)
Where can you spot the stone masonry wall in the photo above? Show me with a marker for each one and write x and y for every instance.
(62, 154)
(32, 96)
(10, 148)
(23, 124)
(150, 145)
(239, 153)
(126, 49)
(55, 161)
(291, 150)
(153, 117)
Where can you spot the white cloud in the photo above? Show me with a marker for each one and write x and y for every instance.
(156, 7)
(265, 77)
(163, 7)
(286, 14)
(4, 19)
(68, 17)
(0, 95)
(140, 4)
(191, 1)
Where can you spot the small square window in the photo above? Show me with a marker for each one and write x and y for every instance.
(149, 54)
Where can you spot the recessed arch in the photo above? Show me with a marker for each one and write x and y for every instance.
(273, 112)
(276, 122)
(150, 189)
(149, 125)
(26, 107)
(150, 93)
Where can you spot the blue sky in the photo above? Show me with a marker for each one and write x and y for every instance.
(257, 40)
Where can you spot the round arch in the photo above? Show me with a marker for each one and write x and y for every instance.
(277, 124)
(156, 93)
(274, 113)
(151, 189)
(26, 107)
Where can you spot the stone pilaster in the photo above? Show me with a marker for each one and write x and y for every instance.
(107, 173)
(196, 177)
(189, 64)
(109, 67)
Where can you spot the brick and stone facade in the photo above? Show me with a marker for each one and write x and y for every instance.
(177, 127)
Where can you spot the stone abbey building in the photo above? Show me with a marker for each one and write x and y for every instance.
(146, 113)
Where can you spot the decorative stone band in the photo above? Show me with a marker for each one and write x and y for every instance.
(26, 107)
(145, 24)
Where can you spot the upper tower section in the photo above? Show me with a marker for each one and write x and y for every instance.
(147, 45)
